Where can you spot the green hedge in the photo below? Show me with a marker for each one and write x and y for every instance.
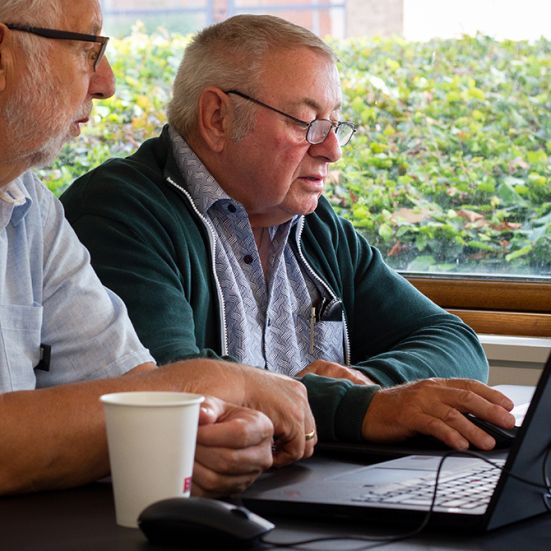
(450, 169)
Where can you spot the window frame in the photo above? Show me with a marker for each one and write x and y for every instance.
(499, 305)
(494, 305)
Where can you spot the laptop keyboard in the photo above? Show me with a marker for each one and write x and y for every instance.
(466, 489)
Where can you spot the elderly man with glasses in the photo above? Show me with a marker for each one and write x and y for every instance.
(218, 239)
(64, 338)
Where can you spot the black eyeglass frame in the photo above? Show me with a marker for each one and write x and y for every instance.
(63, 35)
(306, 125)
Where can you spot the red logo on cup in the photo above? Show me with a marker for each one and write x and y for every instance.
(187, 484)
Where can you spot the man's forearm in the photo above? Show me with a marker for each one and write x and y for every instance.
(447, 349)
(62, 442)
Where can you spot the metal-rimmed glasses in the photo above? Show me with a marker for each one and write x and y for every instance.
(316, 130)
(65, 35)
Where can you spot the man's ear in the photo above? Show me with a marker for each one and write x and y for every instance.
(213, 120)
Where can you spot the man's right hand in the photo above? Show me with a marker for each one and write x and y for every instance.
(436, 407)
(285, 402)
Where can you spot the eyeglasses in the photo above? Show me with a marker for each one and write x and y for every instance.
(316, 130)
(66, 35)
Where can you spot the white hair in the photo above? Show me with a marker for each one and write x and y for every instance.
(31, 12)
(230, 55)
(37, 13)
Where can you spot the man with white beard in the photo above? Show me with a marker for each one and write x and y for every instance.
(64, 339)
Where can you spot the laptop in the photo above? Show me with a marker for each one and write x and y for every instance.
(472, 494)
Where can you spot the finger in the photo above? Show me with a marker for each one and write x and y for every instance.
(285, 402)
(288, 450)
(305, 371)
(238, 428)
(233, 461)
(293, 445)
(209, 410)
(452, 427)
(341, 372)
(473, 398)
(323, 368)
(207, 482)
(283, 455)
(336, 371)
(487, 392)
(445, 420)
(310, 445)
(359, 378)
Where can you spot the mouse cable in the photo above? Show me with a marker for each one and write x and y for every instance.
(385, 540)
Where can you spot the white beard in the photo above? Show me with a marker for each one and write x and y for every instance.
(35, 123)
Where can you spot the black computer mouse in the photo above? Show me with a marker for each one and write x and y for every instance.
(201, 522)
(503, 437)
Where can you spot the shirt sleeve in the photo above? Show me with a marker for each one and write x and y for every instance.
(86, 325)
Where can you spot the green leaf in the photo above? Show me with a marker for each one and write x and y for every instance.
(519, 253)
(385, 231)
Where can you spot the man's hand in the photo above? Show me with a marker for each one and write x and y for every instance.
(282, 399)
(234, 446)
(285, 402)
(436, 407)
(337, 371)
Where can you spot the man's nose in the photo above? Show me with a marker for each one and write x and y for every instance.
(102, 84)
(329, 148)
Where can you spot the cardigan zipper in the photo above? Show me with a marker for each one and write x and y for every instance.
(212, 239)
(318, 278)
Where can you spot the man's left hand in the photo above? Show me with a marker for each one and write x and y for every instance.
(337, 371)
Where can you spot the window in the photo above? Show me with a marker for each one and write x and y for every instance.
(450, 173)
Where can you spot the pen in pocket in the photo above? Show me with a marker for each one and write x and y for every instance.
(313, 320)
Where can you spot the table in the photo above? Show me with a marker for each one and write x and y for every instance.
(84, 519)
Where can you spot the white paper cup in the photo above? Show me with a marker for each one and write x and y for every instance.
(151, 438)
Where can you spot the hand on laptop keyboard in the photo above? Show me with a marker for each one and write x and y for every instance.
(436, 407)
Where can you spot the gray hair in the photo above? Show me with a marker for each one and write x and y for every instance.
(32, 12)
(230, 55)
(38, 13)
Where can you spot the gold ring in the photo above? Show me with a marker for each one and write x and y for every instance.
(310, 435)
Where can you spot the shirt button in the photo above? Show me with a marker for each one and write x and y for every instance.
(232, 208)
(248, 259)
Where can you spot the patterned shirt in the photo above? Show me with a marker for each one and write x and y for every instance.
(49, 295)
(268, 317)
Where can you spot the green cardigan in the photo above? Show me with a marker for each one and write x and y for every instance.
(149, 244)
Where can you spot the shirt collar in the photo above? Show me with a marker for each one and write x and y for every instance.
(201, 184)
(14, 203)
(13, 195)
